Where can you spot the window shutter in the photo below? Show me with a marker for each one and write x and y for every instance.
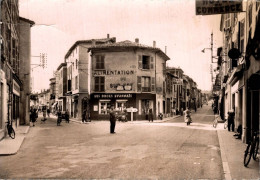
(102, 83)
(153, 84)
(140, 63)
(139, 83)
(96, 84)
(102, 63)
(151, 63)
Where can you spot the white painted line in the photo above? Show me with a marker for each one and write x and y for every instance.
(224, 159)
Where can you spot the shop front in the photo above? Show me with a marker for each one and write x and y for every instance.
(100, 104)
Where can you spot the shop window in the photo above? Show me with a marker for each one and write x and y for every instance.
(145, 62)
(104, 107)
(121, 105)
(100, 62)
(99, 84)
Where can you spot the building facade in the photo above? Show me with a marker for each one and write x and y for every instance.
(239, 67)
(61, 74)
(78, 75)
(127, 74)
(14, 76)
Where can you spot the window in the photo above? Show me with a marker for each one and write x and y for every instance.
(241, 35)
(99, 84)
(100, 62)
(76, 82)
(145, 62)
(76, 64)
(227, 21)
(146, 84)
(121, 104)
(104, 106)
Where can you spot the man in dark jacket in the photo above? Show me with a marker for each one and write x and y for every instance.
(231, 117)
(112, 120)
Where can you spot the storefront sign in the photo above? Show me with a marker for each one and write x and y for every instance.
(209, 7)
(110, 96)
(112, 72)
(16, 88)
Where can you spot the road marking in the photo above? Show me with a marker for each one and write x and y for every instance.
(225, 165)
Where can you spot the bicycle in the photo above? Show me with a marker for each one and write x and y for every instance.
(252, 148)
(215, 122)
(10, 130)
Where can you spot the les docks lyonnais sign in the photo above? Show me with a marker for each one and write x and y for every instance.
(209, 7)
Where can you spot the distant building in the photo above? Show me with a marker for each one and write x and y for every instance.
(127, 74)
(61, 74)
(78, 75)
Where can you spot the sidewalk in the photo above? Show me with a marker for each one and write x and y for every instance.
(232, 155)
(9, 146)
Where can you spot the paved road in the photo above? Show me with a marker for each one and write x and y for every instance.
(143, 150)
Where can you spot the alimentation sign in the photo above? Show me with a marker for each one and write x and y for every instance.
(210, 7)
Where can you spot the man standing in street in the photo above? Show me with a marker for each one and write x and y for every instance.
(112, 120)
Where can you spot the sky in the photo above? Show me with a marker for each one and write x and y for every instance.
(171, 23)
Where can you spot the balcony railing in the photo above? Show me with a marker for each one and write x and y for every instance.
(146, 89)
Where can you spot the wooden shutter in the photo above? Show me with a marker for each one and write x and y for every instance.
(139, 83)
(151, 63)
(140, 62)
(153, 84)
(96, 88)
(102, 62)
(102, 83)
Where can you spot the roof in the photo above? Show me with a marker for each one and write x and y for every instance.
(90, 41)
(60, 66)
(27, 20)
(128, 45)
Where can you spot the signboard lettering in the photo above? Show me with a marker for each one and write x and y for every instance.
(209, 7)
(110, 96)
(112, 72)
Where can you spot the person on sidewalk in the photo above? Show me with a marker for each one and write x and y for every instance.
(150, 115)
(84, 116)
(33, 116)
(48, 112)
(231, 117)
(112, 114)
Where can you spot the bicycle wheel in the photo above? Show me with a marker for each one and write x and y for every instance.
(247, 155)
(256, 149)
(12, 133)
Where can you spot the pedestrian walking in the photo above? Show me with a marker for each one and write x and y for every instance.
(84, 116)
(112, 114)
(187, 116)
(48, 112)
(150, 115)
(231, 117)
(33, 116)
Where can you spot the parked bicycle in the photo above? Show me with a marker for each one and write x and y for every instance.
(10, 129)
(252, 148)
(215, 122)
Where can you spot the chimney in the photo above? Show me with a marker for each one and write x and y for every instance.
(165, 49)
(107, 36)
(154, 44)
(136, 40)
